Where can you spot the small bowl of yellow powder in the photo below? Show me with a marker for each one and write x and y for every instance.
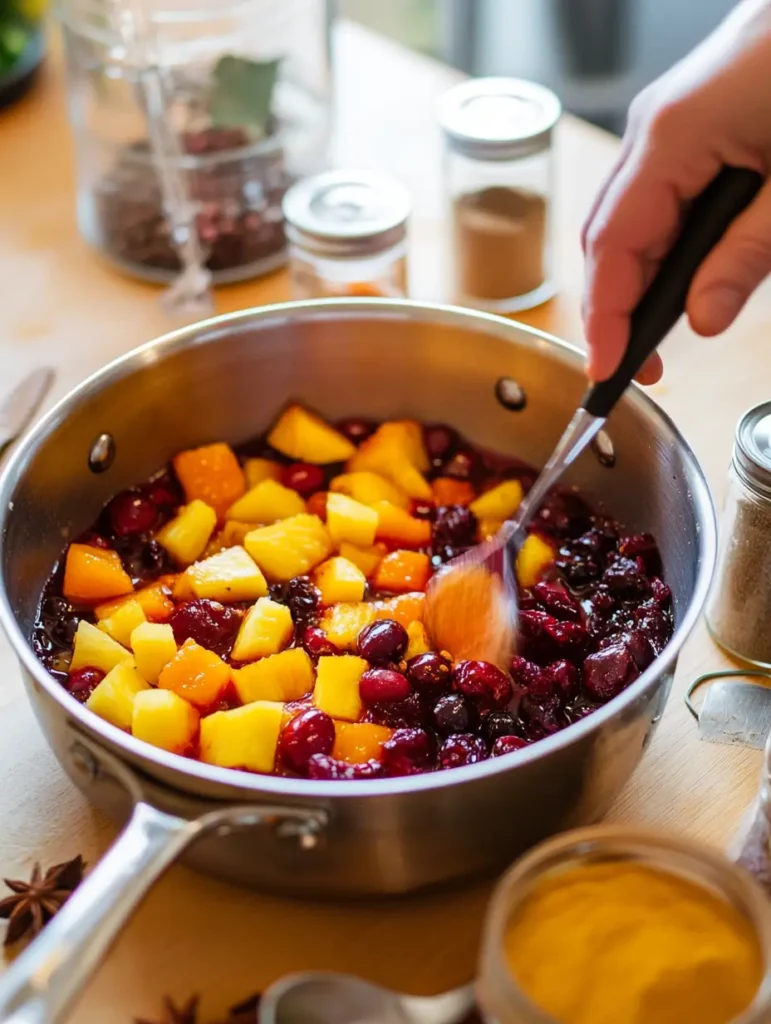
(613, 926)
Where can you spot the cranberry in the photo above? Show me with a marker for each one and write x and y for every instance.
(454, 714)
(384, 640)
(654, 624)
(408, 752)
(607, 672)
(578, 570)
(603, 600)
(461, 749)
(440, 442)
(95, 540)
(322, 766)
(528, 675)
(357, 430)
(62, 631)
(556, 600)
(400, 714)
(81, 684)
(455, 526)
(484, 683)
(562, 678)
(209, 623)
(507, 745)
(625, 577)
(540, 717)
(303, 478)
(130, 513)
(568, 637)
(662, 594)
(315, 642)
(302, 598)
(642, 545)
(311, 732)
(497, 724)
(430, 673)
(164, 492)
(640, 647)
(54, 607)
(463, 465)
(383, 686)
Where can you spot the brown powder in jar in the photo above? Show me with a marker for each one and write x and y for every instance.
(500, 237)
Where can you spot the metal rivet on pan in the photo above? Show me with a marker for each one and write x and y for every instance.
(602, 446)
(102, 454)
(510, 394)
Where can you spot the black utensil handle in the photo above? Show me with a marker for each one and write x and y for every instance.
(661, 306)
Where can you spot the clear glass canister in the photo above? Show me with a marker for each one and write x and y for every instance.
(501, 998)
(347, 232)
(246, 87)
(739, 606)
(498, 177)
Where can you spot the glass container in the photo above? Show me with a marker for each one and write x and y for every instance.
(348, 235)
(21, 46)
(739, 606)
(498, 181)
(501, 999)
(246, 87)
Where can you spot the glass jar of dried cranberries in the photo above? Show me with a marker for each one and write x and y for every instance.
(246, 88)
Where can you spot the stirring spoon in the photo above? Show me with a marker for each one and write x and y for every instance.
(471, 606)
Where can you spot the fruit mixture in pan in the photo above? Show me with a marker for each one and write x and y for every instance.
(261, 609)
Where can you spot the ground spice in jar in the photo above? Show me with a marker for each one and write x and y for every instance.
(604, 943)
(500, 239)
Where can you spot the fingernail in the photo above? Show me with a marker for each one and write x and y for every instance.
(719, 305)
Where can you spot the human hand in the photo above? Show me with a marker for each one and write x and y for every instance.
(711, 109)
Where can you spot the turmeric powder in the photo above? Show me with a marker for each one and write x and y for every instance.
(623, 943)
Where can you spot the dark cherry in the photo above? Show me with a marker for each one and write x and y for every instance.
(131, 513)
(461, 749)
(440, 441)
(322, 766)
(401, 714)
(209, 623)
(463, 465)
(408, 752)
(454, 714)
(423, 510)
(641, 545)
(608, 671)
(302, 598)
(303, 478)
(164, 492)
(557, 601)
(562, 678)
(62, 631)
(661, 593)
(384, 640)
(430, 673)
(311, 732)
(497, 724)
(483, 683)
(357, 430)
(655, 624)
(455, 526)
(528, 675)
(640, 647)
(507, 745)
(54, 607)
(541, 717)
(625, 577)
(579, 571)
(95, 540)
(315, 643)
(383, 686)
(81, 684)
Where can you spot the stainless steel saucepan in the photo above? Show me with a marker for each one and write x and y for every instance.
(226, 379)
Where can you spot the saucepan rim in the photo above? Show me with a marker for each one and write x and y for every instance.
(250, 784)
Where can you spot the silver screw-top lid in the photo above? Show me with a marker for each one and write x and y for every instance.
(752, 447)
(498, 118)
(347, 213)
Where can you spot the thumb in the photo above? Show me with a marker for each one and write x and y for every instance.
(734, 268)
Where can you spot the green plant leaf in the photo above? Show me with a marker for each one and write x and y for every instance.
(242, 92)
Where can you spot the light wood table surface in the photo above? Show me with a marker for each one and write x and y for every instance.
(60, 305)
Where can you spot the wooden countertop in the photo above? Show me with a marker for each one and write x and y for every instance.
(60, 305)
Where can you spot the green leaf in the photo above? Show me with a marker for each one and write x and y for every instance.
(242, 91)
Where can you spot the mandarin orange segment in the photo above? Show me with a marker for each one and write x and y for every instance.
(195, 674)
(404, 609)
(399, 527)
(212, 474)
(94, 575)
(357, 742)
(402, 572)
(448, 491)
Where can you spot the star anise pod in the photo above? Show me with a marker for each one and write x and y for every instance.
(35, 902)
(187, 1013)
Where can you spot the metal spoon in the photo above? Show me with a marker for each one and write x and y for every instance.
(471, 607)
(329, 998)
(19, 406)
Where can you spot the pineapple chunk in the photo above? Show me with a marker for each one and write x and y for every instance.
(350, 520)
(417, 640)
(366, 559)
(285, 676)
(534, 556)
(123, 621)
(368, 488)
(246, 737)
(398, 527)
(357, 742)
(230, 575)
(113, 698)
(93, 648)
(154, 647)
(396, 451)
(266, 629)
(257, 470)
(267, 502)
(304, 436)
(199, 676)
(339, 580)
(185, 537)
(342, 623)
(162, 718)
(499, 503)
(290, 548)
(337, 685)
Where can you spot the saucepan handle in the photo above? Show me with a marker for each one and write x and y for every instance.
(42, 982)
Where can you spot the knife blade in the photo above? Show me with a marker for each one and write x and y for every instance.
(19, 407)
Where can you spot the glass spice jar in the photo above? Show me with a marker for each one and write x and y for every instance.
(500, 997)
(739, 607)
(246, 87)
(347, 233)
(498, 178)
